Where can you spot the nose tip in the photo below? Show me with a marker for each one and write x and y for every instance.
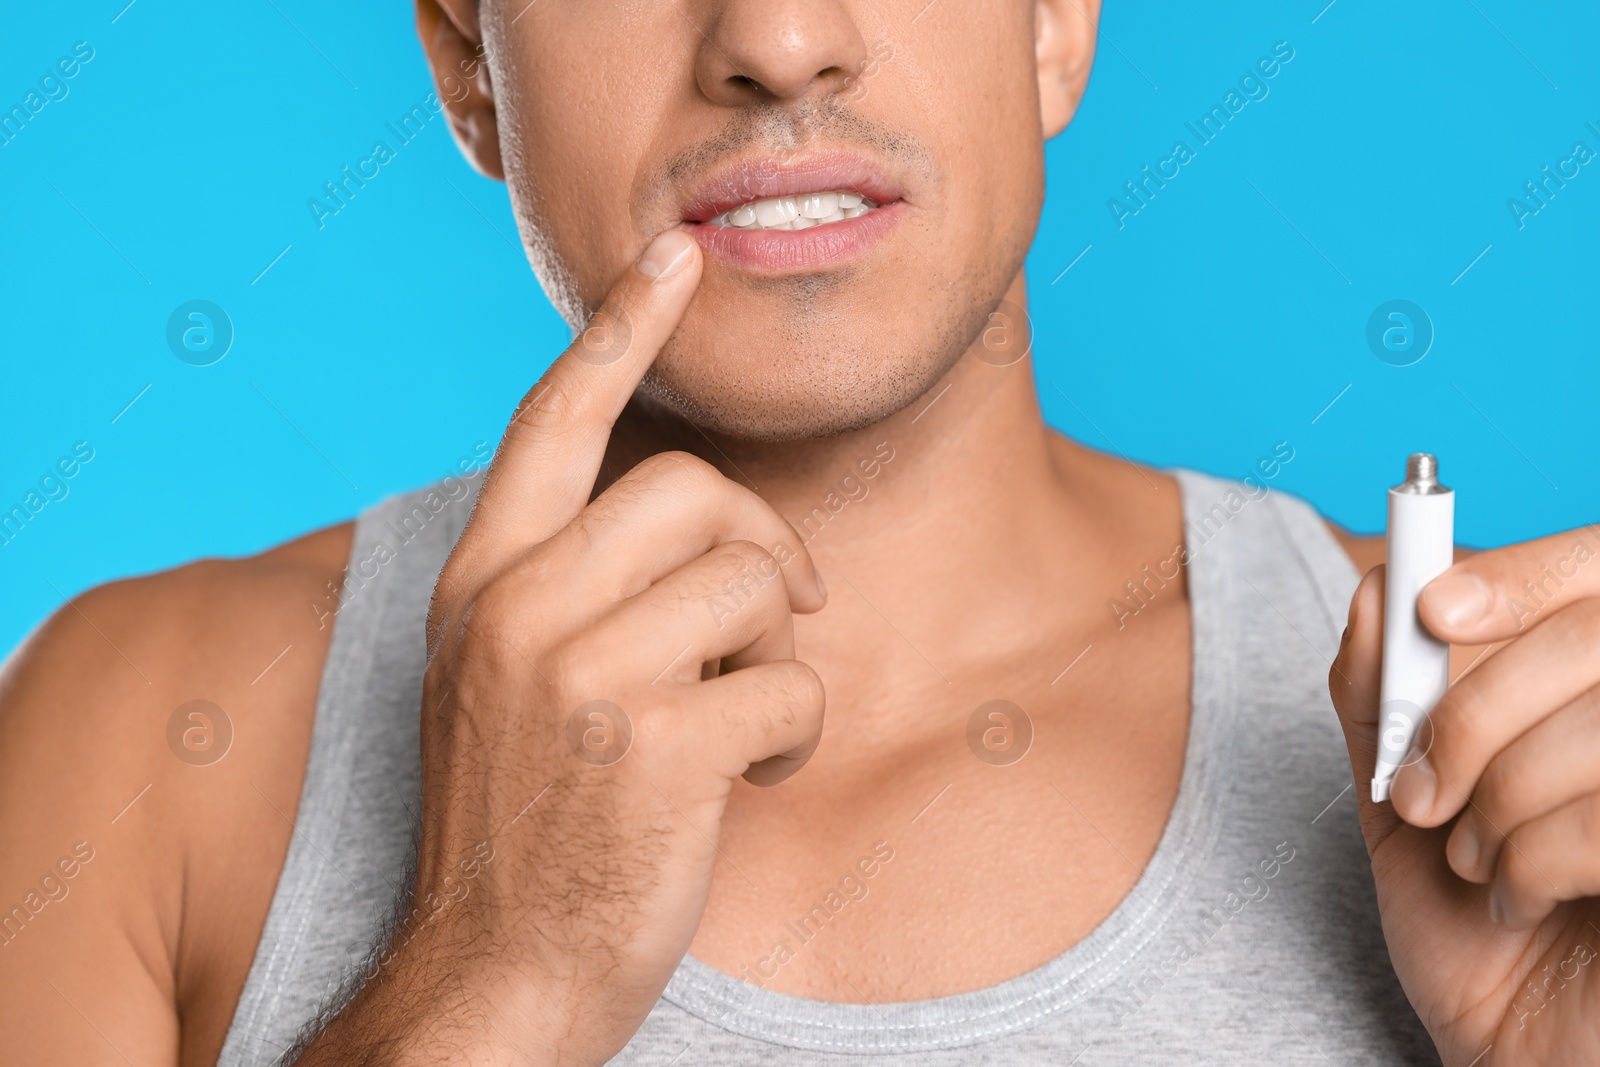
(777, 50)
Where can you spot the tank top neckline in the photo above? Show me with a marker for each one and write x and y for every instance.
(1086, 967)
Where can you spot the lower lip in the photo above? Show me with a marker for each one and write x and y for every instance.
(798, 251)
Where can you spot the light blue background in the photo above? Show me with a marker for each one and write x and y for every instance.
(1223, 318)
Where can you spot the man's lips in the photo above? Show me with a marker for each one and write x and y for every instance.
(797, 251)
(759, 179)
(783, 251)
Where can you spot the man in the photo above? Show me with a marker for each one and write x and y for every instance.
(1029, 829)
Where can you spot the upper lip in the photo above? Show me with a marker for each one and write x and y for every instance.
(760, 177)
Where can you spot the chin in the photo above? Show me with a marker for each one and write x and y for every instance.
(798, 402)
(811, 358)
(799, 377)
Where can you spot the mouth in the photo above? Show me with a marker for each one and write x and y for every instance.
(795, 212)
(773, 217)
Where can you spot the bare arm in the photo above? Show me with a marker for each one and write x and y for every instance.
(134, 883)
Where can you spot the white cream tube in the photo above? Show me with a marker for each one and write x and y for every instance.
(1416, 665)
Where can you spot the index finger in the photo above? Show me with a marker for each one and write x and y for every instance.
(1495, 595)
(547, 461)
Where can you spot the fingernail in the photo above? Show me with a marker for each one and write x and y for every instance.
(1497, 907)
(1419, 785)
(822, 586)
(667, 255)
(1467, 846)
(1459, 600)
(1350, 615)
(1355, 599)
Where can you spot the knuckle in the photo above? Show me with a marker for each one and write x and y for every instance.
(654, 468)
(537, 570)
(475, 628)
(661, 734)
(495, 607)
(739, 556)
(548, 409)
(681, 472)
(502, 625)
(762, 728)
(481, 644)
(741, 573)
(651, 727)
(573, 670)
(566, 550)
(800, 687)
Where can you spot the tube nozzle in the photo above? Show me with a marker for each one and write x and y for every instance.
(1422, 475)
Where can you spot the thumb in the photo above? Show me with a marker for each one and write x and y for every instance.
(1353, 683)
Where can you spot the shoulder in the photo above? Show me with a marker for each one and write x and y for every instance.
(1306, 524)
(1216, 500)
(160, 724)
(197, 629)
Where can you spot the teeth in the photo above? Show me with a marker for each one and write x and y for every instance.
(776, 212)
(795, 212)
(819, 206)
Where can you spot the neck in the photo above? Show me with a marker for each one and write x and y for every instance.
(942, 530)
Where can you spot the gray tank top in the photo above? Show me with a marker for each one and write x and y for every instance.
(1251, 937)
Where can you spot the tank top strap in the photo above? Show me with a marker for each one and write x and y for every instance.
(357, 819)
